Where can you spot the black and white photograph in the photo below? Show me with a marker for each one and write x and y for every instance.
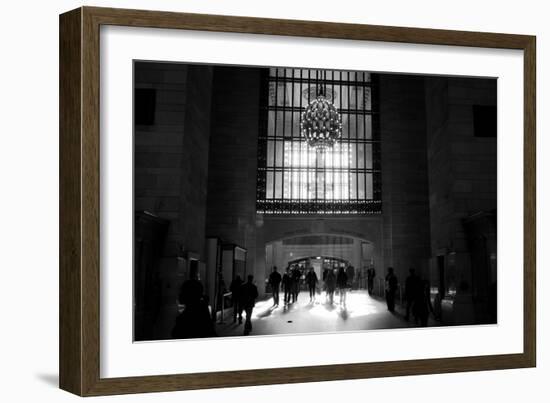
(273, 200)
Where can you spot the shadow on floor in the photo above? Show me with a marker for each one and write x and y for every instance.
(49, 379)
(266, 313)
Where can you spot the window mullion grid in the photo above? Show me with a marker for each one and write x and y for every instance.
(356, 145)
(275, 119)
(282, 202)
(324, 158)
(300, 191)
(349, 144)
(332, 151)
(316, 198)
(365, 137)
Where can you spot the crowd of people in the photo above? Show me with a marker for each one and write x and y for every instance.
(196, 320)
(339, 279)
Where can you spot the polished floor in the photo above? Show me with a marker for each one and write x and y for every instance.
(360, 312)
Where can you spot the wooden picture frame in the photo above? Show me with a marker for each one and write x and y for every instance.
(79, 201)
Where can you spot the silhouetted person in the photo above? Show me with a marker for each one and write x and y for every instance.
(342, 284)
(235, 289)
(275, 282)
(311, 281)
(422, 303)
(391, 288)
(191, 291)
(287, 285)
(296, 274)
(330, 283)
(350, 272)
(413, 286)
(371, 274)
(195, 320)
(249, 293)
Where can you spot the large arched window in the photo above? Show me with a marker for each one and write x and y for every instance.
(294, 178)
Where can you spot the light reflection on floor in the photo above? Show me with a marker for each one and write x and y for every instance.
(361, 312)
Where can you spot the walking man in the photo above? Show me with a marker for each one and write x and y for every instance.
(412, 286)
(235, 289)
(330, 283)
(275, 282)
(371, 273)
(350, 273)
(296, 274)
(287, 285)
(342, 284)
(311, 281)
(249, 293)
(391, 288)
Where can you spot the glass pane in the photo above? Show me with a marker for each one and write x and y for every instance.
(287, 146)
(353, 185)
(353, 158)
(345, 126)
(361, 186)
(368, 156)
(353, 126)
(296, 125)
(272, 93)
(360, 127)
(286, 185)
(344, 98)
(367, 98)
(311, 184)
(369, 192)
(278, 153)
(336, 95)
(295, 190)
(360, 155)
(279, 124)
(368, 126)
(288, 124)
(270, 153)
(280, 93)
(354, 100)
(269, 185)
(320, 183)
(304, 184)
(271, 123)
(278, 184)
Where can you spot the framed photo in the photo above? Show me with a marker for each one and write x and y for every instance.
(251, 201)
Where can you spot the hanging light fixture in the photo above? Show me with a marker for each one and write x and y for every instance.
(321, 124)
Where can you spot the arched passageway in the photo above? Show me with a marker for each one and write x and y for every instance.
(320, 251)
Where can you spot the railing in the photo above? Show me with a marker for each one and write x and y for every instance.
(224, 296)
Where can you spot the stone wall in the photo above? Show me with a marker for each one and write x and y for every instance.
(405, 210)
(462, 176)
(231, 204)
(171, 168)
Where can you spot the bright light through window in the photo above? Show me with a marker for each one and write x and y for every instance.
(293, 177)
(332, 182)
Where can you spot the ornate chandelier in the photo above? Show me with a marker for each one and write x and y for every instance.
(321, 124)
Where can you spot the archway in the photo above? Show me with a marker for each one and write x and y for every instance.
(320, 251)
